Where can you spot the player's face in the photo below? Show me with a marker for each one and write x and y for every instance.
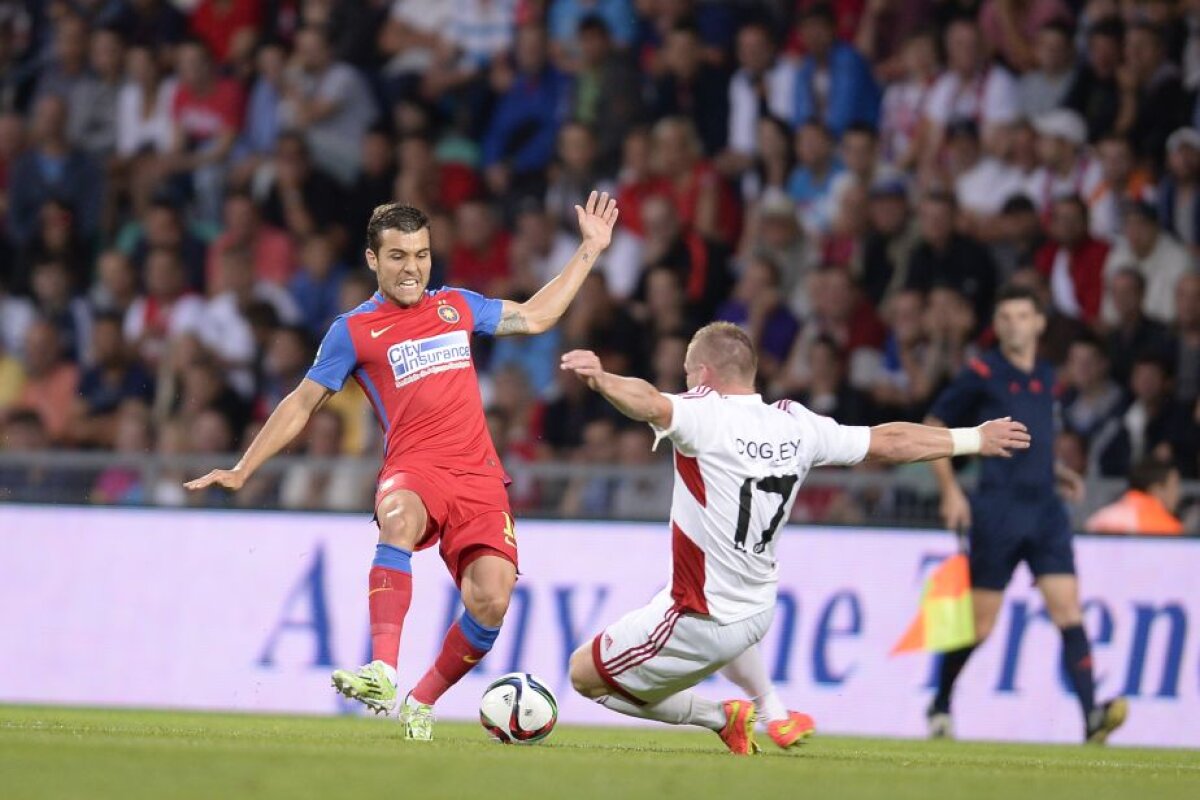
(402, 265)
(1018, 325)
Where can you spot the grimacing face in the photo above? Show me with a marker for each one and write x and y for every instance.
(402, 265)
(1018, 324)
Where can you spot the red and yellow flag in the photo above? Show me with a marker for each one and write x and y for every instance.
(946, 620)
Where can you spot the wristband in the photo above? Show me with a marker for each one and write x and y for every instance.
(965, 441)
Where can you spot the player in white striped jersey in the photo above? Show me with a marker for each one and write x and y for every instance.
(738, 464)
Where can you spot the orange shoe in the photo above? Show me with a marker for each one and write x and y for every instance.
(738, 733)
(791, 731)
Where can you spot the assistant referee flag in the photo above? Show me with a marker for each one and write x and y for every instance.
(946, 620)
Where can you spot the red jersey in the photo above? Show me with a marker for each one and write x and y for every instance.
(414, 364)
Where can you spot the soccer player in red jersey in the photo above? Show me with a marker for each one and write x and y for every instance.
(409, 349)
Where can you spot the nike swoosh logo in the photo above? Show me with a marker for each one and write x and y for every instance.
(382, 331)
(470, 659)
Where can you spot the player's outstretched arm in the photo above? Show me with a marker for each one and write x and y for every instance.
(633, 397)
(540, 312)
(908, 442)
(284, 424)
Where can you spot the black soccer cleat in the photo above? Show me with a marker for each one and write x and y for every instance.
(1106, 719)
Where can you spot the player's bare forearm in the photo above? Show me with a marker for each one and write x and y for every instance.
(285, 424)
(908, 442)
(943, 470)
(540, 312)
(633, 397)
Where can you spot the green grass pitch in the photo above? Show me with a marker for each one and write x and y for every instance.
(96, 754)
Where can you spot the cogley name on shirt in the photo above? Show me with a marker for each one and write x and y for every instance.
(418, 358)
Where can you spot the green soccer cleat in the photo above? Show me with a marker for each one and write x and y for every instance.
(373, 685)
(417, 719)
(1106, 719)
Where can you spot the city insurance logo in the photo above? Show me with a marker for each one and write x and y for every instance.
(418, 358)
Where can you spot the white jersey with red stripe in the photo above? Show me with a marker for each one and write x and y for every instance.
(738, 465)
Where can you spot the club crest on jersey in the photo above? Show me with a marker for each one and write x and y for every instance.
(418, 358)
(449, 314)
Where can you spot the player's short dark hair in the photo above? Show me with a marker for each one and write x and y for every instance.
(1012, 293)
(1150, 472)
(393, 217)
(727, 349)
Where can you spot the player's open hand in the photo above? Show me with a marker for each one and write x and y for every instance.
(1000, 437)
(585, 364)
(231, 479)
(597, 218)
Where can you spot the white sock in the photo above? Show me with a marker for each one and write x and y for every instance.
(685, 708)
(750, 673)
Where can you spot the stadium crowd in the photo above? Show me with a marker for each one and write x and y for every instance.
(184, 188)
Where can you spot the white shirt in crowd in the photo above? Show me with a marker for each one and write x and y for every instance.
(987, 186)
(1162, 268)
(140, 128)
(988, 98)
(743, 104)
(738, 465)
(226, 332)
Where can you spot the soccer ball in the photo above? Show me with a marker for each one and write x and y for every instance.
(518, 708)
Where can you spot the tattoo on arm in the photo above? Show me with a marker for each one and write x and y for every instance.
(512, 322)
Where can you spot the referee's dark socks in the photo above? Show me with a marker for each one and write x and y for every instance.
(1077, 659)
(952, 664)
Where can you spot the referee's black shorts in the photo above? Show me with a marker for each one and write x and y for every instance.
(1010, 525)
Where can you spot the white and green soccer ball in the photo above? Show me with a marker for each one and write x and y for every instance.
(518, 708)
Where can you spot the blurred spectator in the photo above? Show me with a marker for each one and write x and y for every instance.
(811, 182)
(859, 154)
(970, 88)
(373, 186)
(540, 248)
(264, 106)
(701, 266)
(982, 183)
(1148, 507)
(161, 225)
(24, 432)
(51, 170)
(479, 260)
(1073, 261)
(206, 117)
(641, 497)
(772, 165)
(16, 315)
(330, 102)
(55, 239)
(757, 305)
(904, 101)
(1017, 237)
(56, 303)
(1160, 258)
(764, 84)
(1155, 423)
(1045, 86)
(270, 248)
(840, 313)
(536, 357)
(597, 321)
(593, 496)
(67, 64)
(773, 231)
(834, 84)
(92, 125)
(301, 198)
(1179, 191)
(111, 379)
(944, 257)
(703, 202)
(828, 391)
(309, 486)
(1010, 27)
(691, 87)
(227, 27)
(1095, 92)
(116, 284)
(604, 95)
(50, 382)
(151, 22)
(1092, 404)
(913, 367)
(144, 128)
(1154, 103)
(1187, 338)
(134, 436)
(890, 240)
(574, 175)
(569, 22)
(166, 310)
(567, 415)
(1134, 333)
(315, 286)
(1070, 449)
(520, 137)
(1119, 182)
(1064, 169)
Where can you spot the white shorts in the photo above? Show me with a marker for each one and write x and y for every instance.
(659, 650)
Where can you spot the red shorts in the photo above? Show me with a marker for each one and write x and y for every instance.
(469, 514)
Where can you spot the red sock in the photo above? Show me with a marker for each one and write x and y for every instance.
(458, 657)
(390, 594)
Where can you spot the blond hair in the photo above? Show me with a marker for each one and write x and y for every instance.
(727, 350)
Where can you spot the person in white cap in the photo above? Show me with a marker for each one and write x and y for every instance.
(1064, 170)
(1179, 192)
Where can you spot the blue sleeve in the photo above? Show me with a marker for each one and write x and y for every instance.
(485, 310)
(336, 358)
(957, 404)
